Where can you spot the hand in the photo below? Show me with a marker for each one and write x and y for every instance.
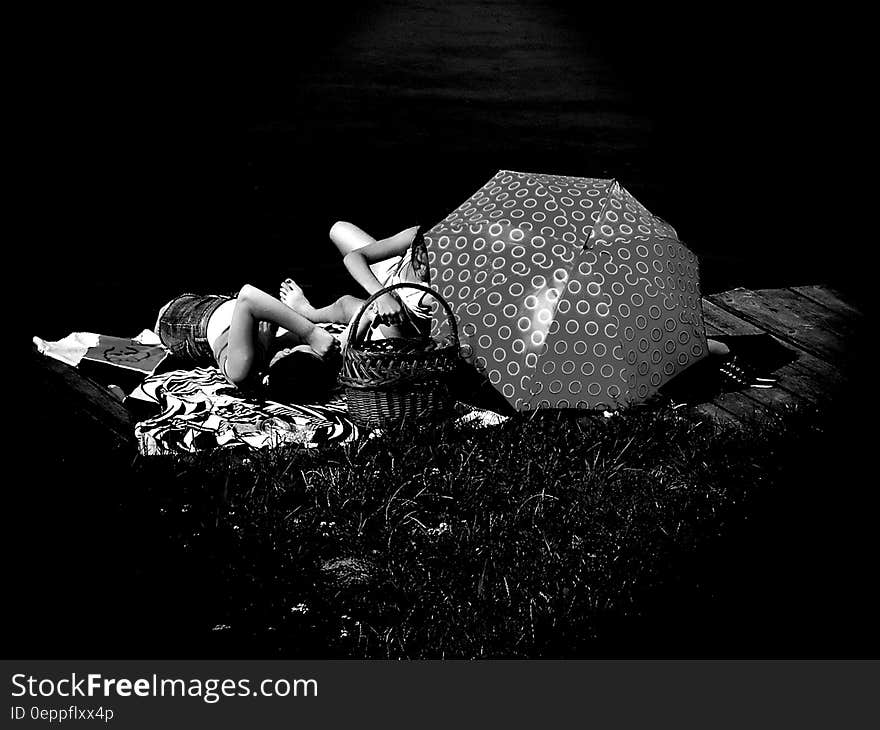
(323, 343)
(389, 311)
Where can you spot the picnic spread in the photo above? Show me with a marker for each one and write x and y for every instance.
(197, 409)
(200, 410)
(553, 291)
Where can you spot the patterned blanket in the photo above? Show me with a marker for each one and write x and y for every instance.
(200, 410)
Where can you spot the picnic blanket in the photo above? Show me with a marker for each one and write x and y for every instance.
(200, 410)
(192, 410)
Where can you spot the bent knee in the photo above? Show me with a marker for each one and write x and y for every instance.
(247, 292)
(349, 305)
(347, 301)
(340, 227)
(238, 369)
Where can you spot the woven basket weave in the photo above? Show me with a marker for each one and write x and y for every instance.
(387, 381)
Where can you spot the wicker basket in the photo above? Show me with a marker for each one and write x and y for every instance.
(387, 381)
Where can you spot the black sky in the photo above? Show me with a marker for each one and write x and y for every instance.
(176, 152)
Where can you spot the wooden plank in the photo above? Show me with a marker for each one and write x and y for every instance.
(745, 410)
(815, 377)
(811, 378)
(727, 323)
(806, 385)
(829, 298)
(796, 394)
(813, 312)
(85, 405)
(802, 328)
(716, 413)
(777, 398)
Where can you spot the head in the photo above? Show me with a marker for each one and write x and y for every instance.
(299, 375)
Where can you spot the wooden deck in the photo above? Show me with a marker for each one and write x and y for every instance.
(814, 323)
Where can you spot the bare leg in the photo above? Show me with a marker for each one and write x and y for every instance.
(254, 306)
(348, 237)
(341, 311)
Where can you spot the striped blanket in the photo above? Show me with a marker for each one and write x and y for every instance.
(200, 410)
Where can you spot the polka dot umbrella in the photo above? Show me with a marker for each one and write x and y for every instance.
(569, 292)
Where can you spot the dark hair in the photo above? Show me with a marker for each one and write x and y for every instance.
(300, 376)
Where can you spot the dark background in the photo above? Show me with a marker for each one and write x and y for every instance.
(177, 152)
(172, 152)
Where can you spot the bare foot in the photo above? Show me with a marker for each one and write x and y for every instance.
(322, 342)
(719, 349)
(292, 295)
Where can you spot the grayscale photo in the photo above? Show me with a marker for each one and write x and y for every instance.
(466, 330)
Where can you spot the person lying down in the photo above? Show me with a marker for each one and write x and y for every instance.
(270, 346)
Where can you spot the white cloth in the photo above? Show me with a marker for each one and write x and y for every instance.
(382, 270)
(70, 349)
(147, 337)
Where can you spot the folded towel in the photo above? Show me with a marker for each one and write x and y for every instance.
(70, 349)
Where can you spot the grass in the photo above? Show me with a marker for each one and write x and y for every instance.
(546, 536)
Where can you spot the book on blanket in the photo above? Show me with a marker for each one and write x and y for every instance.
(122, 360)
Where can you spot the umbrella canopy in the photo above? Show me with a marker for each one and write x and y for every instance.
(569, 292)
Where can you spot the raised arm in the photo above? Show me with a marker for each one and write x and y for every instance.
(358, 261)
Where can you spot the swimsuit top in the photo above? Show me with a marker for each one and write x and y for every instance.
(413, 267)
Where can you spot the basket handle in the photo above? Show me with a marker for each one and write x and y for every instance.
(428, 290)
